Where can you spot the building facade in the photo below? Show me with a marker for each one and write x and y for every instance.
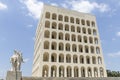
(67, 44)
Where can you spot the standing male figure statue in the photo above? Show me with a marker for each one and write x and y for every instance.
(16, 61)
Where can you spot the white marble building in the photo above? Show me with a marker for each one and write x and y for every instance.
(67, 44)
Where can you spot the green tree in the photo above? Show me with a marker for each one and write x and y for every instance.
(113, 73)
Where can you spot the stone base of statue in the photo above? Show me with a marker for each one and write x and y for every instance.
(14, 75)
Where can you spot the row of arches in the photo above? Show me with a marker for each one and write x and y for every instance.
(68, 58)
(71, 28)
(60, 17)
(61, 71)
(70, 37)
(73, 47)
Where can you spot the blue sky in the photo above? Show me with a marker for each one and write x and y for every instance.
(19, 19)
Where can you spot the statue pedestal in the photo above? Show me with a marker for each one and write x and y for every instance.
(14, 75)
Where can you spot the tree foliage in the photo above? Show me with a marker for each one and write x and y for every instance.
(113, 73)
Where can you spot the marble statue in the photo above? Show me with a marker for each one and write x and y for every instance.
(16, 61)
(45, 73)
(53, 73)
(89, 74)
(96, 75)
(61, 73)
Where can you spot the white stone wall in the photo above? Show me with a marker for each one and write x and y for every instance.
(58, 51)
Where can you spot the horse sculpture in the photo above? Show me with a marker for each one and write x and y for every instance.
(16, 61)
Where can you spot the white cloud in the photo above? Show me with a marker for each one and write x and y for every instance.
(2, 6)
(34, 7)
(64, 5)
(26, 60)
(117, 54)
(54, 4)
(87, 6)
(29, 26)
(118, 34)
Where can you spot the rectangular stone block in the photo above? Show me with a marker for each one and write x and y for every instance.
(12, 75)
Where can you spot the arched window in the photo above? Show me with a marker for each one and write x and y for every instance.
(61, 71)
(47, 24)
(54, 16)
(75, 59)
(88, 23)
(54, 25)
(79, 38)
(83, 22)
(77, 21)
(54, 46)
(47, 15)
(101, 72)
(45, 71)
(81, 59)
(94, 32)
(61, 46)
(86, 49)
(78, 29)
(45, 57)
(87, 59)
(89, 72)
(67, 37)
(54, 35)
(93, 60)
(66, 19)
(95, 72)
(46, 45)
(97, 50)
(69, 71)
(92, 49)
(60, 26)
(53, 71)
(71, 19)
(89, 31)
(73, 37)
(46, 34)
(90, 40)
(85, 39)
(76, 72)
(99, 60)
(74, 48)
(72, 28)
(61, 58)
(84, 30)
(60, 18)
(82, 72)
(80, 48)
(68, 58)
(67, 47)
(53, 57)
(66, 27)
(96, 40)
(60, 36)
(93, 24)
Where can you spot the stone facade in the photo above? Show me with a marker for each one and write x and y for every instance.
(51, 78)
(67, 44)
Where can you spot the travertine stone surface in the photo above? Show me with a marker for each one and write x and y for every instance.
(11, 75)
(50, 78)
